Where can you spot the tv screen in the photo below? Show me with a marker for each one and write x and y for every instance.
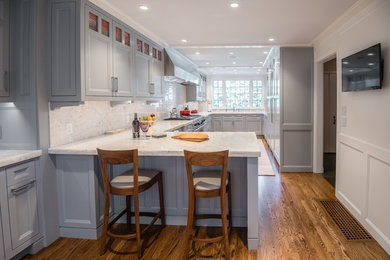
(363, 70)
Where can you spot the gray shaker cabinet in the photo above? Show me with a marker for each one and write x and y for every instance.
(98, 53)
(64, 79)
(123, 60)
(142, 70)
(19, 208)
(2, 253)
(217, 124)
(23, 212)
(149, 69)
(254, 123)
(4, 50)
(93, 56)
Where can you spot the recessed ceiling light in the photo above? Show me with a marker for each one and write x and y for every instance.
(143, 7)
(350, 70)
(184, 40)
(231, 53)
(371, 64)
(266, 52)
(234, 62)
(234, 4)
(370, 54)
(345, 62)
(271, 39)
(197, 53)
(207, 63)
(260, 62)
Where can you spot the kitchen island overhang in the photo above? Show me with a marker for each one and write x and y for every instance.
(80, 185)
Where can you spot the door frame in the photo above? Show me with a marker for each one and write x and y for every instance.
(318, 133)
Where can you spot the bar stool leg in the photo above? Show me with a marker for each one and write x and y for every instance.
(190, 220)
(230, 204)
(103, 238)
(161, 197)
(128, 207)
(224, 226)
(137, 225)
(194, 219)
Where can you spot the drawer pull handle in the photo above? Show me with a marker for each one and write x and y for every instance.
(22, 188)
(21, 170)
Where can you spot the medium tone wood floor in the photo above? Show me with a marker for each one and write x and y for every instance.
(292, 225)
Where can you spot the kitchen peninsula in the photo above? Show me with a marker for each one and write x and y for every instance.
(80, 186)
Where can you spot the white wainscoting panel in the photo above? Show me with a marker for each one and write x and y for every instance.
(378, 195)
(362, 185)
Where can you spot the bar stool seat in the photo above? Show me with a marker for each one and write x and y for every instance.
(208, 180)
(126, 179)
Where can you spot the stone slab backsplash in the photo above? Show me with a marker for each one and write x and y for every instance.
(93, 118)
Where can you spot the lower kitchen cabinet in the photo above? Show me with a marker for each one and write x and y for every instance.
(217, 124)
(19, 209)
(238, 123)
(254, 123)
(228, 124)
(2, 253)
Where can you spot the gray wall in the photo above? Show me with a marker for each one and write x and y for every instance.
(296, 109)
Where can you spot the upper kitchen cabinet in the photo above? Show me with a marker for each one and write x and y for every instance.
(93, 56)
(4, 51)
(123, 61)
(149, 69)
(98, 54)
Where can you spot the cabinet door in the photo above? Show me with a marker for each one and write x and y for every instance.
(156, 77)
(23, 212)
(217, 124)
(2, 252)
(228, 124)
(253, 124)
(238, 124)
(142, 72)
(123, 59)
(63, 49)
(4, 48)
(98, 54)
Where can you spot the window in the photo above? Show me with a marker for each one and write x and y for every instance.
(243, 93)
(257, 93)
(218, 93)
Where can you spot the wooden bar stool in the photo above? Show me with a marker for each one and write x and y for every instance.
(131, 182)
(208, 184)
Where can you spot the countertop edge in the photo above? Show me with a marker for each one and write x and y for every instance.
(14, 159)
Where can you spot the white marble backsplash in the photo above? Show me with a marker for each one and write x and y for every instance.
(93, 118)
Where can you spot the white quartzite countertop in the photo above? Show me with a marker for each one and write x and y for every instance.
(239, 144)
(8, 157)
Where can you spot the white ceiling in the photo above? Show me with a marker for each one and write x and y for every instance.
(213, 28)
(214, 22)
(228, 60)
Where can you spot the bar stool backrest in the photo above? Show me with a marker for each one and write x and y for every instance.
(206, 159)
(113, 157)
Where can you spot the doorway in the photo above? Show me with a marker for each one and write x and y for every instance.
(330, 121)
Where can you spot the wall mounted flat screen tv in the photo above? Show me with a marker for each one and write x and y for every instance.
(363, 70)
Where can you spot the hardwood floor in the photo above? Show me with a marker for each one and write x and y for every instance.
(292, 225)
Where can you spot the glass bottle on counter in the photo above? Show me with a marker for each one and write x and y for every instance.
(135, 125)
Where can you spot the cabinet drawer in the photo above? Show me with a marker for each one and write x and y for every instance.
(20, 173)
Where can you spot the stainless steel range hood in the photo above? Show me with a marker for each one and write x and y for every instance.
(179, 69)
